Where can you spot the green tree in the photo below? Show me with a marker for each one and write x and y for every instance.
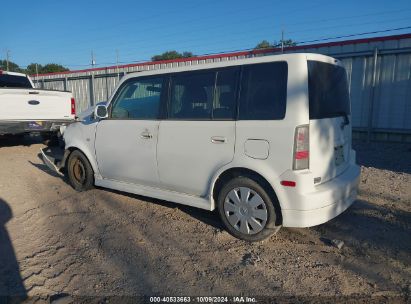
(264, 44)
(188, 54)
(31, 69)
(172, 55)
(13, 67)
(289, 42)
(52, 68)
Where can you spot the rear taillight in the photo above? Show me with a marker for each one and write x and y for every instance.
(73, 106)
(301, 148)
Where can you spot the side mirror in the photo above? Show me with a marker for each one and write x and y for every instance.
(100, 111)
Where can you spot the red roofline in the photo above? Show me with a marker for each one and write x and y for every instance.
(242, 53)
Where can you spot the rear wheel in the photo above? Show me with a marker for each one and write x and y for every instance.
(80, 172)
(247, 210)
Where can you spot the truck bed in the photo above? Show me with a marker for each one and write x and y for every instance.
(20, 104)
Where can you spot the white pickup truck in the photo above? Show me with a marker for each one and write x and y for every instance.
(27, 109)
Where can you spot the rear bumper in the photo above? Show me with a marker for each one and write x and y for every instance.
(326, 202)
(17, 127)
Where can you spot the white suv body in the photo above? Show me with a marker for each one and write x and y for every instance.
(183, 134)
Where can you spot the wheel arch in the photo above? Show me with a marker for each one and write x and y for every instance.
(233, 172)
(70, 149)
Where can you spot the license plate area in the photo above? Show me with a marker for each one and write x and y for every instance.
(339, 155)
(35, 125)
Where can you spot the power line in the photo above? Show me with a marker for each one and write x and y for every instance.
(186, 22)
(169, 37)
(353, 35)
(349, 25)
(220, 34)
(214, 52)
(298, 43)
(349, 17)
(182, 45)
(191, 45)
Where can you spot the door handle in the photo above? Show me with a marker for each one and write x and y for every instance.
(218, 140)
(146, 135)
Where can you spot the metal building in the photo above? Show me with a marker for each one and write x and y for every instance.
(379, 73)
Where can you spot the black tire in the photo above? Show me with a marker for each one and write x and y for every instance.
(50, 139)
(80, 172)
(267, 206)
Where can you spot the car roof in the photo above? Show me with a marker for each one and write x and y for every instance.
(232, 62)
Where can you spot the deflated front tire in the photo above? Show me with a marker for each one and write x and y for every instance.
(80, 172)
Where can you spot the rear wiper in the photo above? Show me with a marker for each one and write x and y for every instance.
(346, 119)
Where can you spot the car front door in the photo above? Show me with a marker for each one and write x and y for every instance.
(126, 142)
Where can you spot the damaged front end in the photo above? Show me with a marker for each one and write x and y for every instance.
(55, 158)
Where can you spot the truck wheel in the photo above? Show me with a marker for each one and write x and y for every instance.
(247, 210)
(80, 172)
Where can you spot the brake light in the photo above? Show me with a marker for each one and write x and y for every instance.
(301, 148)
(73, 106)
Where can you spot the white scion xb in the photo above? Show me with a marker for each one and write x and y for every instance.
(266, 141)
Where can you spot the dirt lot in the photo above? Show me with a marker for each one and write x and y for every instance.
(55, 240)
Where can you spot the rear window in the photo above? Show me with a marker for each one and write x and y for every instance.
(12, 81)
(264, 91)
(328, 90)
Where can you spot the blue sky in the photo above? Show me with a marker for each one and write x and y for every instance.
(66, 32)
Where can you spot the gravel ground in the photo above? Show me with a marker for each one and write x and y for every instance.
(54, 240)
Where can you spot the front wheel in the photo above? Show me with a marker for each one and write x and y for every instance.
(80, 172)
(247, 210)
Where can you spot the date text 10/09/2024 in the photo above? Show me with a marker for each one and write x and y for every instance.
(239, 299)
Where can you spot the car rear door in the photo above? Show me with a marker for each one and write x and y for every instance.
(198, 136)
(330, 120)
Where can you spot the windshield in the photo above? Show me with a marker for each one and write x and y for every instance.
(12, 81)
(328, 90)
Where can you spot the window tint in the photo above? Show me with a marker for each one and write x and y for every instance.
(138, 99)
(328, 90)
(191, 96)
(264, 91)
(12, 81)
(226, 94)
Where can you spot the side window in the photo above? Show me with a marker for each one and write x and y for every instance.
(225, 105)
(138, 99)
(263, 93)
(191, 96)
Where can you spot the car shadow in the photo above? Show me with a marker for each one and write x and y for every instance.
(19, 140)
(207, 217)
(12, 289)
(47, 170)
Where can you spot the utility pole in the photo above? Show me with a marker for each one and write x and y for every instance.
(7, 59)
(282, 41)
(118, 71)
(37, 71)
(93, 61)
